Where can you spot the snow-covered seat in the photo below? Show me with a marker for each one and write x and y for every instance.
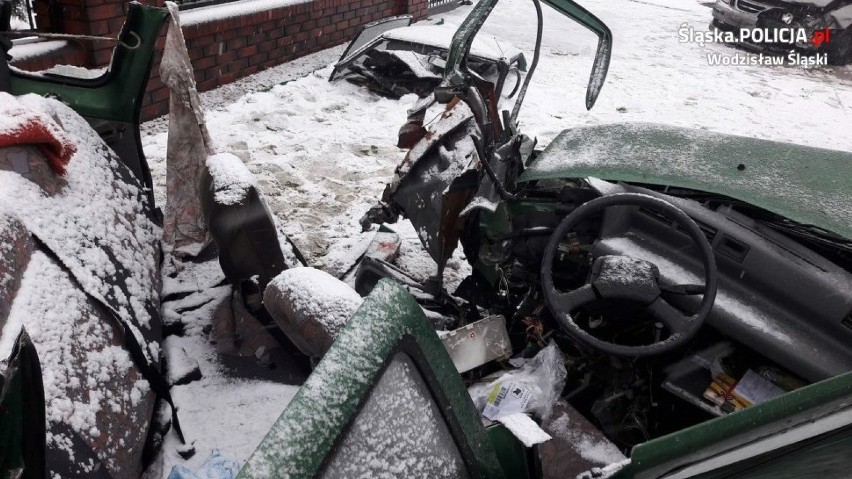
(311, 307)
(241, 225)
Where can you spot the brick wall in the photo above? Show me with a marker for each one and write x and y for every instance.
(69, 53)
(86, 17)
(225, 49)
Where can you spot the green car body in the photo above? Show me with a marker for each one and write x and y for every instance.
(791, 436)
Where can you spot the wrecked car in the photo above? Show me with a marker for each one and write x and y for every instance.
(645, 301)
(394, 58)
(827, 24)
(696, 285)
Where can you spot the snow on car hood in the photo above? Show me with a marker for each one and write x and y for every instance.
(808, 185)
(440, 36)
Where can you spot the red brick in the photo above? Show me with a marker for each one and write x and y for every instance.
(115, 25)
(199, 43)
(100, 27)
(204, 63)
(259, 58)
(159, 94)
(247, 51)
(207, 85)
(106, 11)
(227, 57)
(236, 43)
(250, 70)
(75, 27)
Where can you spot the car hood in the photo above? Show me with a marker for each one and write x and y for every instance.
(807, 185)
(441, 36)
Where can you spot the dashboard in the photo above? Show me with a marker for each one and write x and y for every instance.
(775, 295)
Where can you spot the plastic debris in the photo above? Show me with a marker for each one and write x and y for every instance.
(184, 229)
(215, 467)
(477, 343)
(533, 388)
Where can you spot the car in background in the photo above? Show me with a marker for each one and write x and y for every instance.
(811, 15)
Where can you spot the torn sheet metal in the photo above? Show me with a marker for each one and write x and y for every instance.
(367, 38)
(395, 73)
(411, 59)
(441, 36)
(842, 17)
(438, 178)
(507, 163)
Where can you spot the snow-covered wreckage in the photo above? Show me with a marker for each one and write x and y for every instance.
(644, 300)
(394, 58)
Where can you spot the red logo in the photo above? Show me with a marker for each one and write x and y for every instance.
(820, 37)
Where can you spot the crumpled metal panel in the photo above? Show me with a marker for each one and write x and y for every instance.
(99, 229)
(577, 445)
(109, 394)
(438, 179)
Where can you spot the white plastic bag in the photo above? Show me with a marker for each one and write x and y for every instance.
(532, 388)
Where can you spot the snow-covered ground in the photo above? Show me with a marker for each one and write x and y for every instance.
(323, 152)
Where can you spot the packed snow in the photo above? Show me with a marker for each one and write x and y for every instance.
(22, 50)
(525, 429)
(322, 153)
(233, 9)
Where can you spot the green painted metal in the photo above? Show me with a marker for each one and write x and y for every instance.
(11, 425)
(118, 94)
(455, 70)
(22, 420)
(655, 458)
(498, 223)
(808, 185)
(517, 461)
(308, 429)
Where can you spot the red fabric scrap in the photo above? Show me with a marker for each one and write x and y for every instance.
(31, 128)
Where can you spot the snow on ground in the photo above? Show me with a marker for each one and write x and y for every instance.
(217, 411)
(655, 78)
(322, 152)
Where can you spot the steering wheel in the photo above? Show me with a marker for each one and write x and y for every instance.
(628, 278)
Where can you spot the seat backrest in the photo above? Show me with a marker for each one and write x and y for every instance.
(241, 225)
